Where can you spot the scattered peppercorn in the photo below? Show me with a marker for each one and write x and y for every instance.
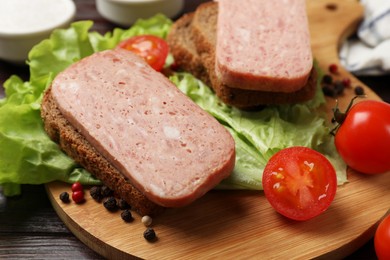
(359, 90)
(150, 234)
(64, 197)
(77, 186)
(110, 204)
(346, 82)
(339, 87)
(327, 79)
(127, 216)
(96, 193)
(333, 68)
(122, 204)
(78, 196)
(332, 87)
(106, 191)
(329, 91)
(146, 220)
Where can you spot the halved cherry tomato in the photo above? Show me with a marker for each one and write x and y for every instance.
(382, 239)
(152, 48)
(300, 183)
(363, 138)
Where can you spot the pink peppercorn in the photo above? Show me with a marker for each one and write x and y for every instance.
(333, 68)
(346, 82)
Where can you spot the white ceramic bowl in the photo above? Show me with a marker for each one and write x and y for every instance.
(126, 12)
(24, 23)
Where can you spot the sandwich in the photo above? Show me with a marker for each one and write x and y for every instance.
(130, 127)
(274, 67)
(134, 130)
(257, 134)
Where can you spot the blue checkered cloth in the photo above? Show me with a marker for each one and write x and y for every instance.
(368, 53)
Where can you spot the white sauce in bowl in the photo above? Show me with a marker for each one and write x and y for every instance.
(20, 17)
(24, 23)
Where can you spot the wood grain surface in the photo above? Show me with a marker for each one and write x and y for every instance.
(242, 224)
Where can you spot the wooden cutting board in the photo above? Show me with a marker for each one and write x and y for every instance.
(242, 224)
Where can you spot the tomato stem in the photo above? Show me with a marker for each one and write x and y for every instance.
(339, 117)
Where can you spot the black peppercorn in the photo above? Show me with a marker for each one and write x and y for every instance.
(327, 79)
(329, 91)
(339, 87)
(110, 204)
(64, 197)
(122, 204)
(127, 216)
(96, 193)
(359, 90)
(106, 191)
(150, 234)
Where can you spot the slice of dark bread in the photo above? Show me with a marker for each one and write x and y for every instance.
(75, 145)
(183, 49)
(202, 31)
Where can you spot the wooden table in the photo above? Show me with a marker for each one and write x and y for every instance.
(29, 226)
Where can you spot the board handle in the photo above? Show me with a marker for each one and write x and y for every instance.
(330, 24)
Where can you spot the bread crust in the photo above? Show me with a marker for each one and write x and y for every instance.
(184, 50)
(75, 146)
(202, 29)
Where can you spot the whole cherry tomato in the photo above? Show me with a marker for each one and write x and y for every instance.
(382, 239)
(363, 136)
(299, 183)
(152, 48)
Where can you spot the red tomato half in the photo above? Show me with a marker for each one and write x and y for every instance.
(363, 139)
(152, 48)
(299, 183)
(382, 239)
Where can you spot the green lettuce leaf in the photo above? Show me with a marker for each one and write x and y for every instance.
(259, 134)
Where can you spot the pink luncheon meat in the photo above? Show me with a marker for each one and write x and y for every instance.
(167, 146)
(263, 45)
